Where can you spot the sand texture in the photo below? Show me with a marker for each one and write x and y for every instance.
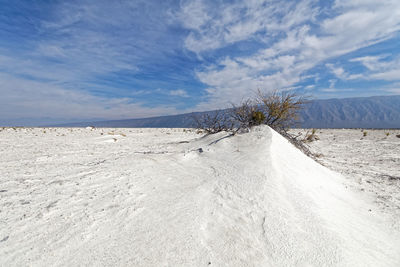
(172, 197)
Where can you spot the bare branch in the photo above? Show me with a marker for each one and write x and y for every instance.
(214, 122)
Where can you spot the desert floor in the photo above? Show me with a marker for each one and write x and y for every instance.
(173, 197)
(371, 163)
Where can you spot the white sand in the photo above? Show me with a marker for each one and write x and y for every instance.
(370, 163)
(75, 197)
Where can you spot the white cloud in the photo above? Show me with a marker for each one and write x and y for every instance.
(22, 98)
(332, 83)
(337, 71)
(390, 75)
(340, 73)
(380, 67)
(85, 40)
(392, 88)
(293, 44)
(370, 62)
(178, 92)
(216, 25)
(94, 39)
(81, 48)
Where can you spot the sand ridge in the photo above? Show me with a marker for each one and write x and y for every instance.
(151, 197)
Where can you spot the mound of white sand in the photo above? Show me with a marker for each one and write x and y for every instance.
(246, 200)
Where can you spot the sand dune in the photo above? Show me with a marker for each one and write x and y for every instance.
(169, 197)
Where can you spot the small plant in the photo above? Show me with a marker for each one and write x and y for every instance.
(281, 109)
(214, 122)
(365, 133)
(310, 137)
(278, 110)
(387, 134)
(257, 117)
(242, 115)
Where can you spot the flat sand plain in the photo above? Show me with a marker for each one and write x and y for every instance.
(371, 163)
(173, 197)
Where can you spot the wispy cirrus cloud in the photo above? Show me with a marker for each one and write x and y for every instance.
(91, 57)
(216, 24)
(30, 99)
(340, 73)
(381, 68)
(161, 57)
(297, 37)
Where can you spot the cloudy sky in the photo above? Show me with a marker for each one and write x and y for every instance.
(81, 60)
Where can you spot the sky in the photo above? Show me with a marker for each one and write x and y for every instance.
(70, 61)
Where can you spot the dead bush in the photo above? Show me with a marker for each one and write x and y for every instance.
(214, 122)
(281, 108)
(310, 137)
(281, 112)
(246, 115)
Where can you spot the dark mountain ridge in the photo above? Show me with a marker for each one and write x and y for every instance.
(359, 112)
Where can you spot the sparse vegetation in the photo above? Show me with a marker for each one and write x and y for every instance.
(257, 117)
(214, 122)
(246, 115)
(279, 110)
(387, 134)
(365, 133)
(310, 137)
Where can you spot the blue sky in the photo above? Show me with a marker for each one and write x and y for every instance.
(81, 60)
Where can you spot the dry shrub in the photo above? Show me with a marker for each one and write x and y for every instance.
(257, 117)
(246, 115)
(281, 108)
(310, 137)
(242, 114)
(214, 122)
(281, 112)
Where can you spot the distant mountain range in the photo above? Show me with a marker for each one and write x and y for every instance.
(360, 112)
